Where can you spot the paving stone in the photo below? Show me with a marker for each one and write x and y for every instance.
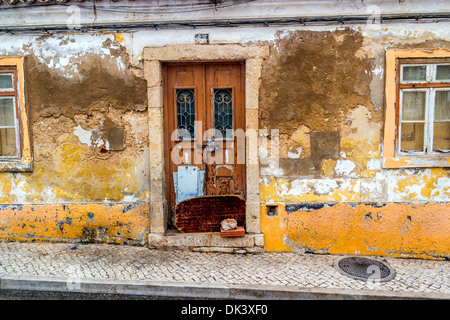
(270, 268)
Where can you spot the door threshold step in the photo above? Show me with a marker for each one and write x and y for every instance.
(207, 242)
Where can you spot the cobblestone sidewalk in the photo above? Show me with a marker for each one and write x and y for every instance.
(113, 262)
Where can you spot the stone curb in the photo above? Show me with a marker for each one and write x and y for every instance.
(200, 290)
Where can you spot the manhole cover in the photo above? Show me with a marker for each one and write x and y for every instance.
(366, 269)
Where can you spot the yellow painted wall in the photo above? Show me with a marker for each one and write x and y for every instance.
(357, 206)
(117, 223)
(392, 229)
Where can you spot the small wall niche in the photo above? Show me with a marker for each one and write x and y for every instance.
(272, 210)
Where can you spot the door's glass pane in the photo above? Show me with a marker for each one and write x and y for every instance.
(185, 113)
(442, 109)
(7, 112)
(443, 72)
(414, 73)
(413, 105)
(412, 137)
(441, 137)
(223, 112)
(8, 142)
(6, 81)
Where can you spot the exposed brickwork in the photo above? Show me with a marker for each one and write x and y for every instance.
(204, 214)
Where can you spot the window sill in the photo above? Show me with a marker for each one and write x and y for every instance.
(16, 166)
(416, 162)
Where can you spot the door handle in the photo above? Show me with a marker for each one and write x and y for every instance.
(209, 143)
(211, 148)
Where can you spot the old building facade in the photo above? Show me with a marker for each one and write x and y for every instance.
(343, 109)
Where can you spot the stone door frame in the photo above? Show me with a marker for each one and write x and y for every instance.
(153, 59)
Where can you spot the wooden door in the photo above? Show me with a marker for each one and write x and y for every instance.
(204, 124)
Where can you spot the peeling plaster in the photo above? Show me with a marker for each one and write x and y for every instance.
(64, 166)
(85, 136)
(294, 153)
(344, 167)
(19, 190)
(63, 53)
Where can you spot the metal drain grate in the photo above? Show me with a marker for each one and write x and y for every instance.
(366, 269)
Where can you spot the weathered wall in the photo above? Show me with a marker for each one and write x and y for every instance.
(322, 87)
(384, 229)
(88, 118)
(119, 223)
(330, 116)
(329, 110)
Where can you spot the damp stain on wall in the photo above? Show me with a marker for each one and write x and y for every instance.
(87, 110)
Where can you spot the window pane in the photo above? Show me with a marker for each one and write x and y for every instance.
(6, 81)
(414, 73)
(223, 111)
(185, 113)
(8, 142)
(441, 137)
(442, 109)
(413, 105)
(443, 72)
(7, 112)
(412, 137)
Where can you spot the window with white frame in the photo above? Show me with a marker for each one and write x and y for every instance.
(15, 145)
(423, 112)
(9, 122)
